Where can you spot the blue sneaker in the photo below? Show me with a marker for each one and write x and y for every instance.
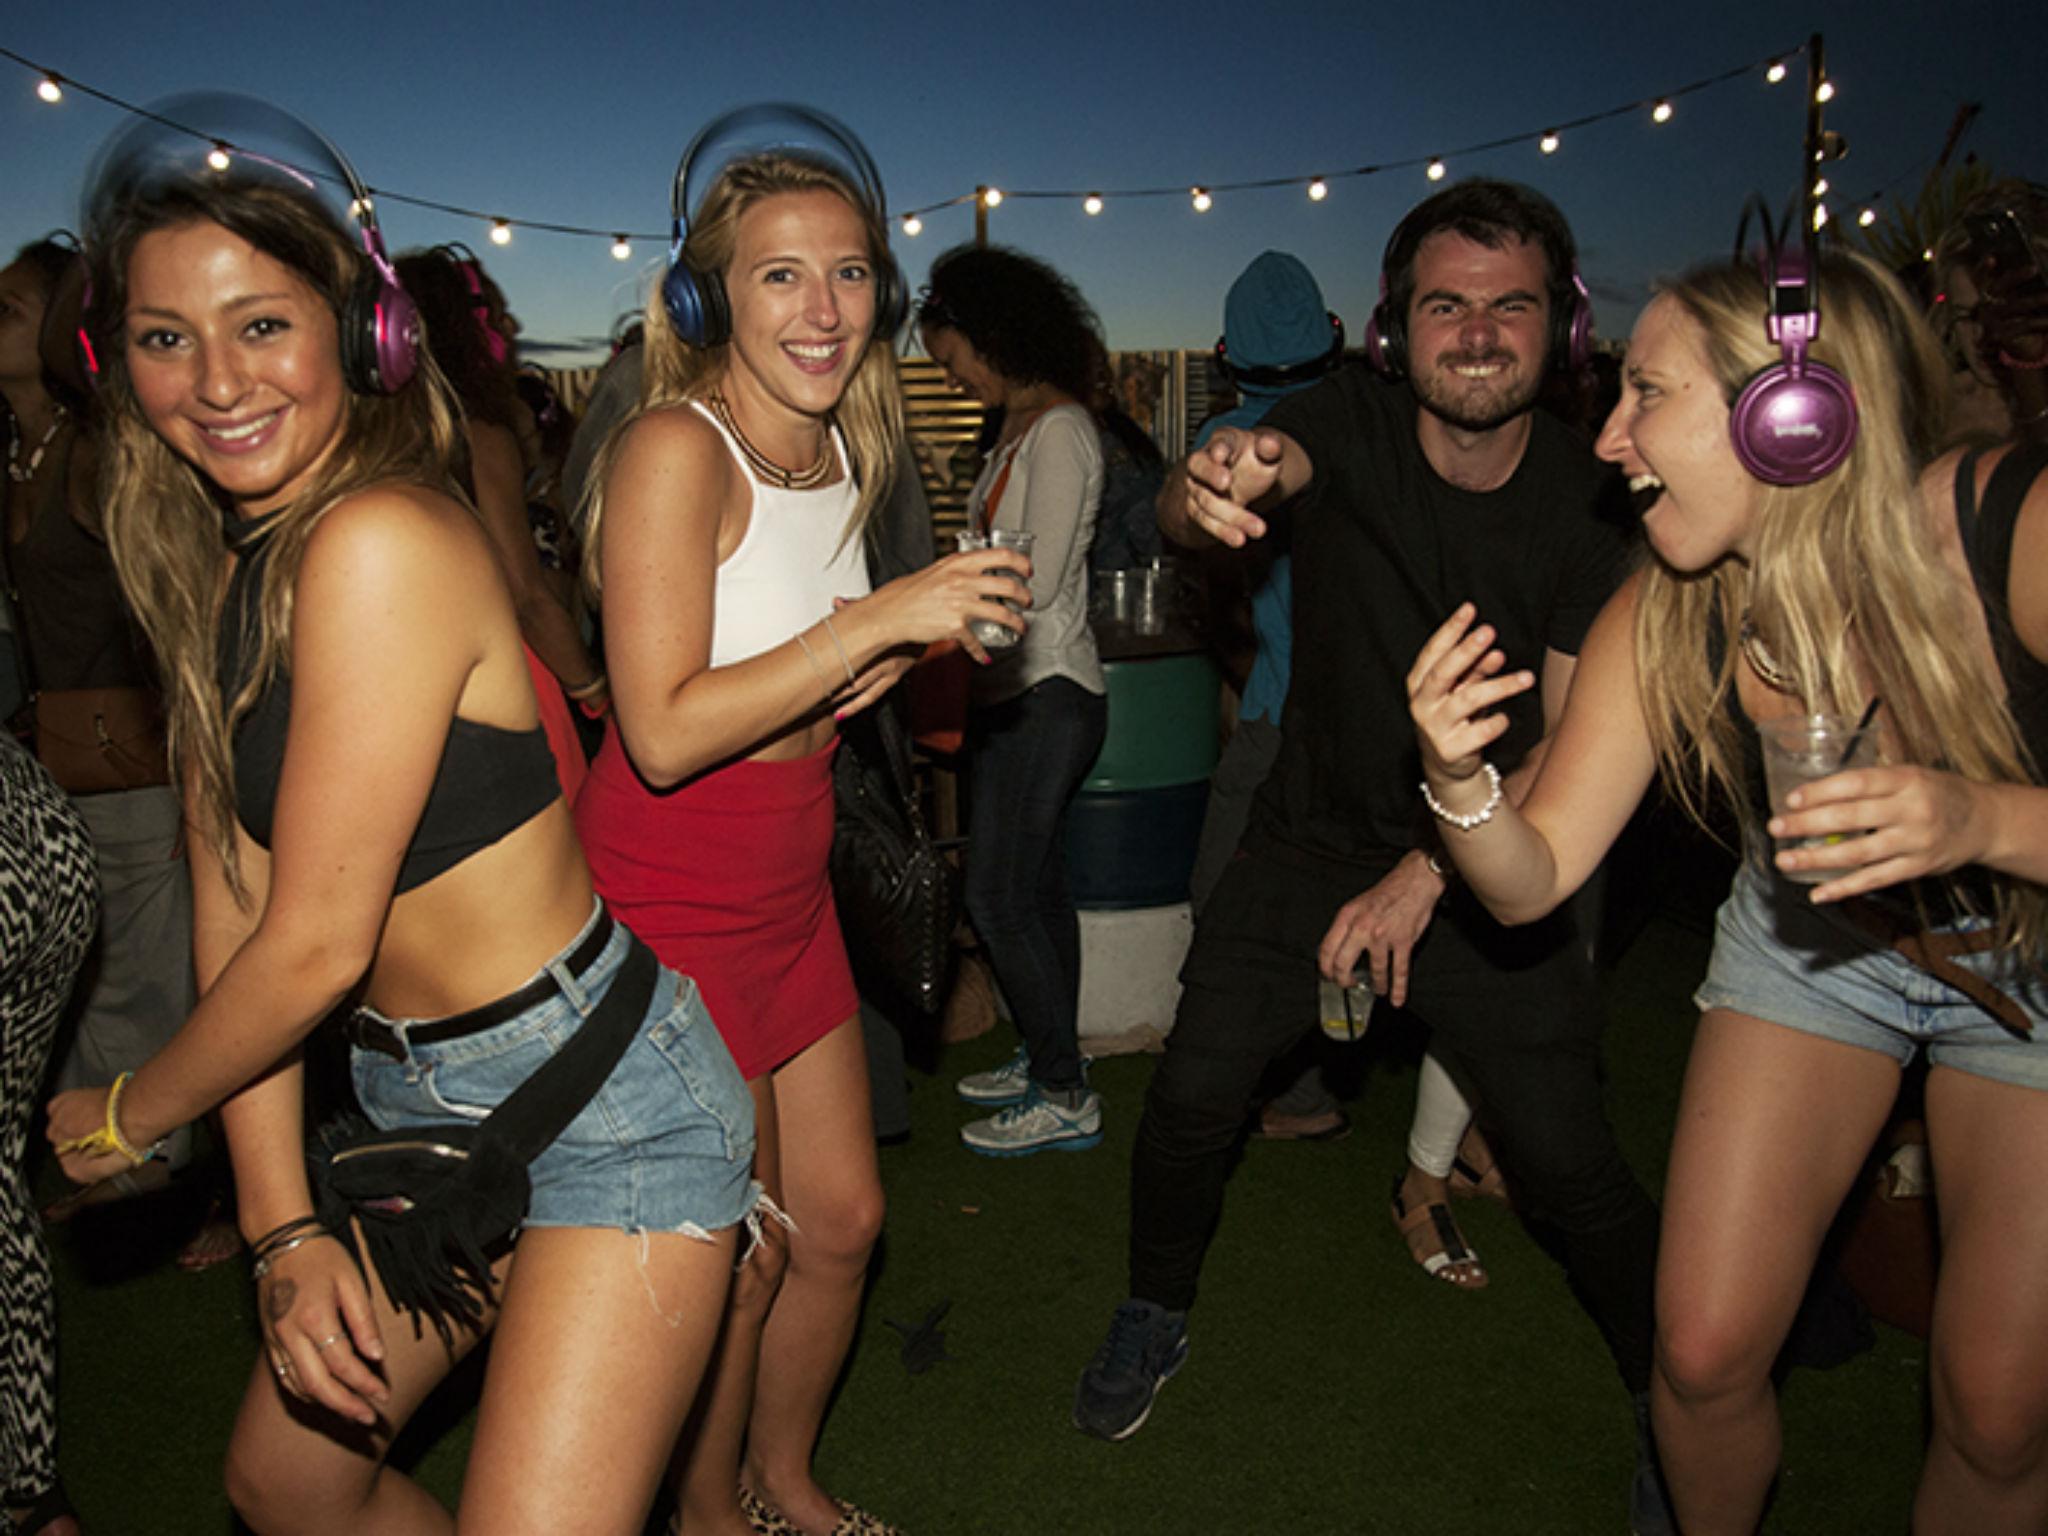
(1038, 1123)
(998, 1086)
(1146, 1345)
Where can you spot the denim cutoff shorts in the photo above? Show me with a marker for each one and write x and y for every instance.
(666, 1145)
(1780, 958)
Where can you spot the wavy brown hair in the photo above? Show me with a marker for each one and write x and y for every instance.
(1847, 583)
(164, 518)
(673, 371)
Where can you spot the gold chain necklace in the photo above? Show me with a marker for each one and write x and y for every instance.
(766, 468)
(1758, 655)
(19, 472)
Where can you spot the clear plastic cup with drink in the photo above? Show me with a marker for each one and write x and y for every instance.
(994, 636)
(1801, 749)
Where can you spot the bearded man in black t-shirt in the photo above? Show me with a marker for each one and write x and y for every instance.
(1405, 496)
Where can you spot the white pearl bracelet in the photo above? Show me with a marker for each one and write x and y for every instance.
(1478, 818)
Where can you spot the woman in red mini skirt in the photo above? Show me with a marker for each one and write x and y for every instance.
(725, 536)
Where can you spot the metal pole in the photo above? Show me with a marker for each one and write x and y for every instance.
(981, 217)
(1809, 172)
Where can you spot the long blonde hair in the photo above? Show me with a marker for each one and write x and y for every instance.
(164, 519)
(1846, 584)
(673, 371)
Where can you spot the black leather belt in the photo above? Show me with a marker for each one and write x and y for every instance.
(370, 1033)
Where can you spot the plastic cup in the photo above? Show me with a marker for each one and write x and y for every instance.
(994, 636)
(1802, 748)
(1345, 1010)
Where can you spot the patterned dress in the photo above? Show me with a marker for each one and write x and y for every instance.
(49, 907)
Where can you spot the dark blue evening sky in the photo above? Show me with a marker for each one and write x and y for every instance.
(576, 114)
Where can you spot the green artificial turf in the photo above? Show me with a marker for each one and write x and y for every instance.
(1331, 1387)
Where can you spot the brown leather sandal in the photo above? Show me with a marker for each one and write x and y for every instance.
(1435, 1242)
(1474, 1173)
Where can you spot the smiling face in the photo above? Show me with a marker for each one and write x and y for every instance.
(235, 362)
(1478, 328)
(802, 288)
(966, 369)
(1669, 433)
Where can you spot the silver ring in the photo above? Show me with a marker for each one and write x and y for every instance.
(329, 1342)
(283, 1368)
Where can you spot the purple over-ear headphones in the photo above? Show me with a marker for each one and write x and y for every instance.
(1795, 420)
(472, 270)
(378, 322)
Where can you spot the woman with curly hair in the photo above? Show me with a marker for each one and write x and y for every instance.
(1904, 906)
(1019, 338)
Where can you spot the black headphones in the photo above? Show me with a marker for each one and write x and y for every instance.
(1284, 375)
(1571, 318)
(696, 301)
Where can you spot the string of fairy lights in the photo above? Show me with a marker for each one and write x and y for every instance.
(51, 86)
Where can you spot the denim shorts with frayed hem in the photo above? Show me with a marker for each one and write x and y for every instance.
(1780, 958)
(666, 1145)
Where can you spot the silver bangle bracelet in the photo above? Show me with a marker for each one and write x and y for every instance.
(263, 1265)
(1478, 818)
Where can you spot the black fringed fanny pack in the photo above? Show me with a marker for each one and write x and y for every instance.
(437, 1204)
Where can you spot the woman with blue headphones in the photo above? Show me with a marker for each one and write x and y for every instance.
(1813, 557)
(725, 533)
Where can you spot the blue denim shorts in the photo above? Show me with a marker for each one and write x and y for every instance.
(666, 1145)
(1779, 957)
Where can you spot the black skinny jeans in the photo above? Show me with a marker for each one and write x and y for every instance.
(1515, 1009)
(1030, 754)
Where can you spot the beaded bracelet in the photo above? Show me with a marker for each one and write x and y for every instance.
(1478, 818)
(2027, 364)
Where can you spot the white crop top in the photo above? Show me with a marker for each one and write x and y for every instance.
(790, 563)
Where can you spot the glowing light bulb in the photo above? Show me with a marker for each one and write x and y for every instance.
(1826, 91)
(1548, 143)
(1436, 171)
(1318, 190)
(217, 157)
(992, 198)
(1661, 113)
(912, 225)
(501, 232)
(1203, 202)
(1092, 204)
(1776, 73)
(1867, 217)
(1820, 187)
(50, 89)
(622, 248)
(1820, 215)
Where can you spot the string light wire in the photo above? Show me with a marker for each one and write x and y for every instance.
(1545, 138)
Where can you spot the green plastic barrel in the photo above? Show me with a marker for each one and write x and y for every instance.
(1162, 724)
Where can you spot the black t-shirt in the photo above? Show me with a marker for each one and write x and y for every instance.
(1384, 549)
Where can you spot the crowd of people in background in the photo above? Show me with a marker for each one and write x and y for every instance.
(364, 691)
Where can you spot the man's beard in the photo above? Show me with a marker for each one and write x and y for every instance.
(1474, 405)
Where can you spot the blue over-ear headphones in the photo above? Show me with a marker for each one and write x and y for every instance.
(1795, 420)
(696, 301)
